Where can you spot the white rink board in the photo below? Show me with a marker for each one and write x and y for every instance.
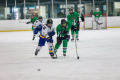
(89, 23)
(15, 25)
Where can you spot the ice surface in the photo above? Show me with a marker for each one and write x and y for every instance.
(99, 52)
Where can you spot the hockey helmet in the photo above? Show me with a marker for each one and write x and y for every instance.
(40, 17)
(49, 21)
(63, 21)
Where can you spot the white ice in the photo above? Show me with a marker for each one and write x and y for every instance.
(99, 52)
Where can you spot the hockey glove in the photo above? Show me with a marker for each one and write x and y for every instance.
(51, 33)
(82, 18)
(27, 22)
(66, 37)
(64, 32)
(49, 39)
(33, 22)
(78, 22)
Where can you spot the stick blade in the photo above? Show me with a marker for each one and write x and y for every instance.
(54, 57)
(78, 57)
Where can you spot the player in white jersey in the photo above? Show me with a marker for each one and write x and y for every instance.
(47, 31)
(37, 24)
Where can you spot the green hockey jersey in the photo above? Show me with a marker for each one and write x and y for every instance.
(33, 20)
(60, 28)
(97, 14)
(74, 18)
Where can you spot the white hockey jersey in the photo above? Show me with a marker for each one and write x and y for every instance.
(45, 30)
(38, 23)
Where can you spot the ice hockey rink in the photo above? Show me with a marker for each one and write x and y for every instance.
(99, 52)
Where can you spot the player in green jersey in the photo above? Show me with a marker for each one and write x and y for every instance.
(33, 19)
(74, 18)
(63, 35)
(96, 19)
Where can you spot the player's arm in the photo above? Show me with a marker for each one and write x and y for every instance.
(35, 24)
(52, 33)
(36, 30)
(68, 18)
(80, 16)
(29, 22)
(69, 24)
(61, 33)
(46, 36)
(100, 15)
(58, 31)
(36, 18)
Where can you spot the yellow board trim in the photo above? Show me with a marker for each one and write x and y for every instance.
(31, 30)
(15, 30)
(114, 27)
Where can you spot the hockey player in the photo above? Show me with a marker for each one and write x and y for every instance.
(33, 19)
(63, 35)
(38, 23)
(47, 31)
(96, 19)
(74, 18)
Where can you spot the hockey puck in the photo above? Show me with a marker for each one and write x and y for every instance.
(38, 69)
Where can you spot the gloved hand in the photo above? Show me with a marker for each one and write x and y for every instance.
(27, 22)
(64, 32)
(66, 37)
(33, 22)
(51, 33)
(49, 39)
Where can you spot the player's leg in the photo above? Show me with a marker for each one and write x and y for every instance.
(65, 44)
(64, 47)
(40, 44)
(72, 33)
(59, 41)
(32, 28)
(77, 35)
(50, 49)
(99, 26)
(94, 25)
(35, 33)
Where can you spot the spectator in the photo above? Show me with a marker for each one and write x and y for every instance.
(91, 12)
(118, 14)
(8, 17)
(109, 14)
(60, 14)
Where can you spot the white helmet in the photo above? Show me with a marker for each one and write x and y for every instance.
(97, 9)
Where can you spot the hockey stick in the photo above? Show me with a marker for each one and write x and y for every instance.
(76, 49)
(54, 53)
(25, 22)
(22, 22)
(98, 22)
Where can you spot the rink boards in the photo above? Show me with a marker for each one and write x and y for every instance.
(12, 25)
